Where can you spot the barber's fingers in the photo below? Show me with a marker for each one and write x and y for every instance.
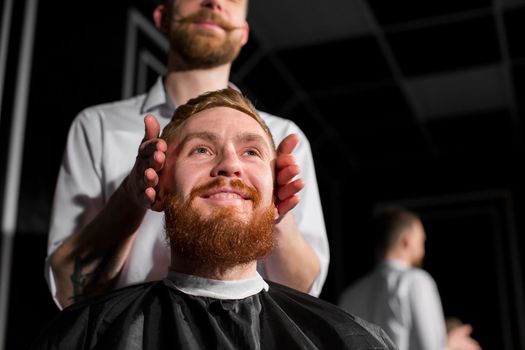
(152, 148)
(286, 170)
(143, 189)
(286, 197)
(284, 160)
(288, 144)
(151, 178)
(152, 154)
(149, 196)
(151, 127)
(155, 160)
(290, 189)
(285, 206)
(286, 167)
(285, 175)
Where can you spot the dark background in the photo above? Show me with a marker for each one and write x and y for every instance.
(415, 103)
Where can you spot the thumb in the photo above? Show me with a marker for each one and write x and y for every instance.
(288, 144)
(151, 127)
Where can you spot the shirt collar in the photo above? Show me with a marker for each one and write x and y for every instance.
(396, 264)
(233, 86)
(157, 97)
(205, 287)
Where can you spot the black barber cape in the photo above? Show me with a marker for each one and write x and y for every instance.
(158, 315)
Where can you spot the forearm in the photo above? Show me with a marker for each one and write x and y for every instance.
(293, 262)
(89, 261)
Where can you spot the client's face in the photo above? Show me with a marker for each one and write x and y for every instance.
(220, 210)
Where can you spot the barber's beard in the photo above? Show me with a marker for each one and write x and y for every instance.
(201, 49)
(221, 240)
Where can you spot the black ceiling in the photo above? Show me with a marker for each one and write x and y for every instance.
(425, 81)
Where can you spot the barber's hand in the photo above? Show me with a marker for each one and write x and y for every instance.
(286, 169)
(459, 339)
(143, 178)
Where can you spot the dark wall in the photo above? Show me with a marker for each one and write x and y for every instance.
(77, 61)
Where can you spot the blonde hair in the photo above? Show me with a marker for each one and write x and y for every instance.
(228, 97)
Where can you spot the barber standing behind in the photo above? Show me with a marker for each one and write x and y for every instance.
(102, 235)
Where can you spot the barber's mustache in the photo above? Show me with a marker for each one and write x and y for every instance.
(207, 15)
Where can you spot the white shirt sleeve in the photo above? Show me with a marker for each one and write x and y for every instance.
(78, 193)
(428, 324)
(308, 214)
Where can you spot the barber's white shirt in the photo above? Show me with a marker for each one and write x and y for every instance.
(404, 301)
(101, 149)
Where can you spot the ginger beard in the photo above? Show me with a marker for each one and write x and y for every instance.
(200, 48)
(223, 239)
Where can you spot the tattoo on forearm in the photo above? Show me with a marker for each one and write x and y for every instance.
(90, 282)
